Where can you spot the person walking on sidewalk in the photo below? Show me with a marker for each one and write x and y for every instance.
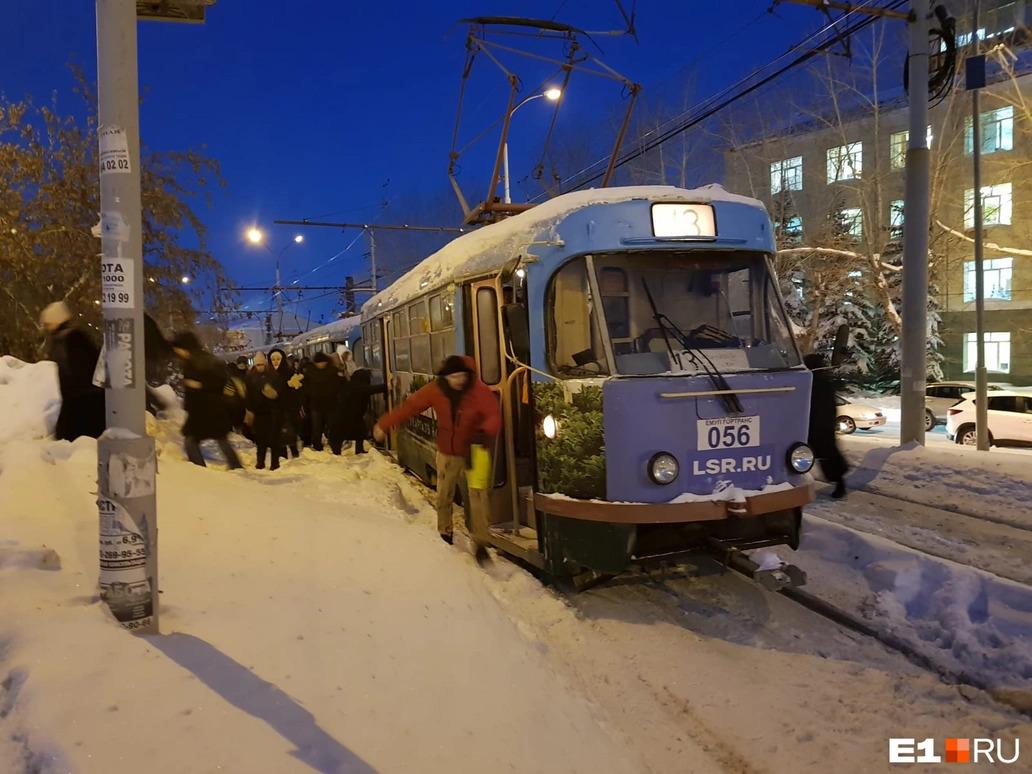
(822, 425)
(467, 412)
(204, 379)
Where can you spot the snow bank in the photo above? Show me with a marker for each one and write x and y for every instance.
(996, 485)
(30, 399)
(307, 626)
(968, 622)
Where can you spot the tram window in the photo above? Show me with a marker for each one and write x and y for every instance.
(487, 330)
(440, 346)
(616, 301)
(575, 344)
(401, 355)
(399, 325)
(441, 313)
(778, 334)
(417, 318)
(419, 354)
(739, 302)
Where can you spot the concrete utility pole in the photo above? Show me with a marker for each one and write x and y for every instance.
(913, 371)
(974, 81)
(126, 466)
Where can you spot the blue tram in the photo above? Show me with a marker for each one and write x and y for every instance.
(653, 396)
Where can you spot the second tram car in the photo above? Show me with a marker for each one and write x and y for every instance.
(653, 396)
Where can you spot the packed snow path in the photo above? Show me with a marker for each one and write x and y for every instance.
(314, 622)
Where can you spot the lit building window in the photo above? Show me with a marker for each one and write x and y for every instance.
(845, 162)
(789, 230)
(997, 128)
(896, 219)
(996, 274)
(898, 146)
(786, 175)
(851, 222)
(997, 351)
(996, 205)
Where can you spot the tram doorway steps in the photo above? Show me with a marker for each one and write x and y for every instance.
(522, 543)
(771, 578)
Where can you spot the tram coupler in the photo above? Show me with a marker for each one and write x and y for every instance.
(772, 578)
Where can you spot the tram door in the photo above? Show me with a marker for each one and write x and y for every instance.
(485, 303)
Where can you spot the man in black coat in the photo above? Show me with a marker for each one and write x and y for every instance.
(321, 385)
(822, 424)
(204, 379)
(82, 402)
(354, 403)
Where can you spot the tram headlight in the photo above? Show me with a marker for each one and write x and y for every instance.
(800, 458)
(550, 427)
(663, 468)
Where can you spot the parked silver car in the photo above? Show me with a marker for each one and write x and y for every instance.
(939, 396)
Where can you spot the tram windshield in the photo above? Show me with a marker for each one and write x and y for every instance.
(723, 305)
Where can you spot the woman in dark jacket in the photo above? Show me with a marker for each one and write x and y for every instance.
(290, 401)
(204, 379)
(354, 403)
(822, 425)
(264, 390)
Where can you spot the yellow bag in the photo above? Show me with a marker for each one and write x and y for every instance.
(479, 474)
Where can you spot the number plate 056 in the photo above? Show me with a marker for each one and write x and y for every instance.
(728, 433)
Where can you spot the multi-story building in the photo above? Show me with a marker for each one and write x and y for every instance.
(836, 179)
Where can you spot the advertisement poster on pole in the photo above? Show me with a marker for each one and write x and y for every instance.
(124, 585)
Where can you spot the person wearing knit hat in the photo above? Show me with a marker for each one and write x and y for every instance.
(467, 412)
(82, 402)
(207, 415)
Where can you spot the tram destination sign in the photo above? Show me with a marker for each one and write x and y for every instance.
(683, 221)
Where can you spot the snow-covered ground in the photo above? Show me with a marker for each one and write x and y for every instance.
(312, 621)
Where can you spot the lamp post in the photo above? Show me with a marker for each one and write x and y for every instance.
(257, 237)
(552, 95)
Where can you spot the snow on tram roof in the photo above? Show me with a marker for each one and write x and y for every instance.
(343, 325)
(492, 246)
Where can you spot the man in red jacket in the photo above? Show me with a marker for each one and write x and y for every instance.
(467, 412)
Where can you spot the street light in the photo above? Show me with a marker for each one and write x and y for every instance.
(185, 280)
(255, 236)
(552, 95)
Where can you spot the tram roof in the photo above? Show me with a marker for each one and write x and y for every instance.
(491, 247)
(343, 325)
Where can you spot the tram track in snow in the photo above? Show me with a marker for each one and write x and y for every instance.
(665, 592)
(996, 546)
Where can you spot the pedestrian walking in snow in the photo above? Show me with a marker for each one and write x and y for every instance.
(348, 364)
(82, 402)
(354, 403)
(321, 388)
(467, 413)
(236, 395)
(204, 379)
(822, 438)
(290, 402)
(263, 410)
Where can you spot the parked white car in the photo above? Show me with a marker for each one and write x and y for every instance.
(1010, 419)
(939, 396)
(850, 416)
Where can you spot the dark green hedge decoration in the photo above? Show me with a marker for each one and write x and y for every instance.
(574, 462)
